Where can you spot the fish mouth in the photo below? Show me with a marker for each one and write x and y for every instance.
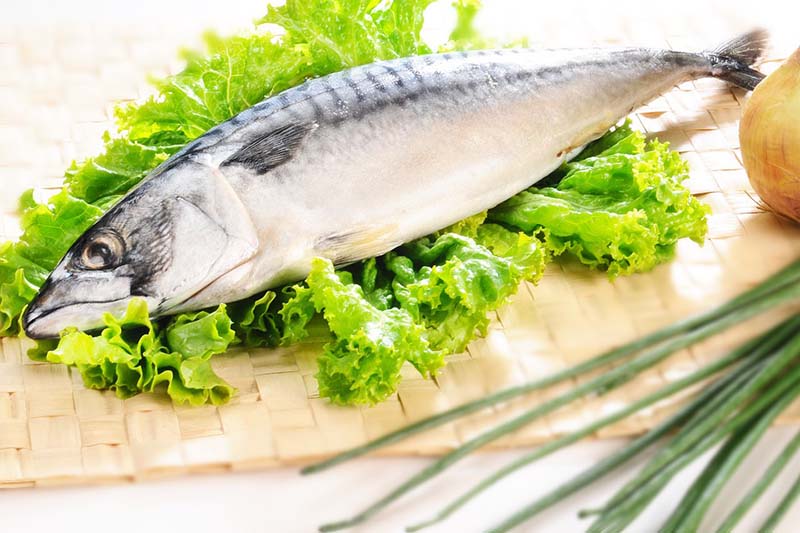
(47, 323)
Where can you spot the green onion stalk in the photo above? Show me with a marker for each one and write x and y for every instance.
(735, 399)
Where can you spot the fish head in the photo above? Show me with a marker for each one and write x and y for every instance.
(164, 242)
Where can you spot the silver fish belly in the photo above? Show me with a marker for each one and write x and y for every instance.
(353, 164)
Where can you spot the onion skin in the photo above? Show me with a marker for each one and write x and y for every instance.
(769, 135)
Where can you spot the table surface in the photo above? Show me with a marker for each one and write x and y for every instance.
(280, 500)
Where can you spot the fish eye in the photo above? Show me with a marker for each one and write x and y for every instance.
(102, 251)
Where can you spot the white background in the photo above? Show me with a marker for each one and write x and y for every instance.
(280, 500)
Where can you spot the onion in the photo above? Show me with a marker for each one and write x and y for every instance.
(769, 134)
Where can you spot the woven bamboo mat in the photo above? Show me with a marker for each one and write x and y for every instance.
(56, 86)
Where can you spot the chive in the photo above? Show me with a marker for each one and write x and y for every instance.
(563, 442)
(780, 511)
(709, 421)
(692, 509)
(650, 486)
(729, 382)
(691, 499)
(615, 376)
(623, 512)
(758, 489)
(777, 282)
(750, 348)
(622, 456)
(776, 398)
(629, 452)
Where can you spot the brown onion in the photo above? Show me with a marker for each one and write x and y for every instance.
(769, 134)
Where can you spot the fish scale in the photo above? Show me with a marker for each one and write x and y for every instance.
(353, 164)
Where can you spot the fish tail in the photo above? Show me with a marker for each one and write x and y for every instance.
(732, 60)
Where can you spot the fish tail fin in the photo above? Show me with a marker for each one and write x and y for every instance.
(732, 60)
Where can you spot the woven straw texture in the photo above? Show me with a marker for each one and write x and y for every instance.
(56, 89)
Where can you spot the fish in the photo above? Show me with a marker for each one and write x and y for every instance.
(353, 164)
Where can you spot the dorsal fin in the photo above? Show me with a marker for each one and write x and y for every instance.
(270, 149)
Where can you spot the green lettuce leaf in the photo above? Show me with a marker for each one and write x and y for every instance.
(256, 320)
(451, 283)
(201, 335)
(362, 364)
(621, 210)
(132, 355)
(341, 34)
(465, 36)
(102, 179)
(432, 300)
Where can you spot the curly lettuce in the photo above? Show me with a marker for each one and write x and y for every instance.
(621, 210)
(619, 207)
(131, 354)
(433, 296)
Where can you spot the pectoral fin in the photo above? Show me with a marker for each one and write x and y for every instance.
(267, 150)
(359, 243)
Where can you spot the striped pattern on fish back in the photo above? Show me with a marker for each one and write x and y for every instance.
(427, 82)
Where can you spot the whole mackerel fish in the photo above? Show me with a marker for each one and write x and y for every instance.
(353, 164)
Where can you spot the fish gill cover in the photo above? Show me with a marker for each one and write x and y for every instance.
(620, 206)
